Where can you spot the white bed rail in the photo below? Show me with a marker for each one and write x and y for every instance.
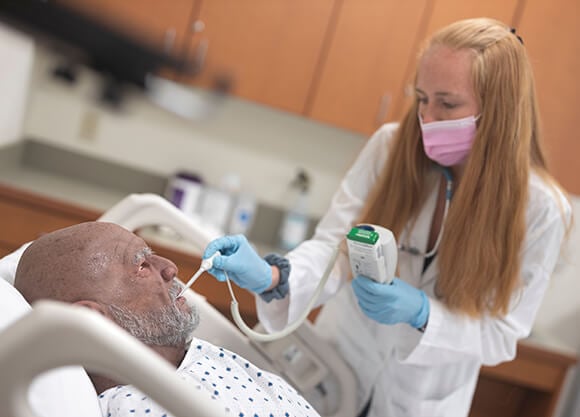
(139, 210)
(55, 334)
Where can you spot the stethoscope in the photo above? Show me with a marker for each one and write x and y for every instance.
(448, 194)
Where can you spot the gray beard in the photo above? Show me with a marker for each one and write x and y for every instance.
(167, 326)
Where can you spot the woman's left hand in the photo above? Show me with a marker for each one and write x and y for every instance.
(397, 302)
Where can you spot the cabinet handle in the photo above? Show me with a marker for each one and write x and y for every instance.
(201, 50)
(383, 108)
(198, 26)
(169, 39)
(200, 54)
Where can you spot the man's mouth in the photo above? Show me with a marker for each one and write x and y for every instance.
(174, 291)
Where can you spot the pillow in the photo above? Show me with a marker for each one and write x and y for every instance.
(9, 263)
(62, 392)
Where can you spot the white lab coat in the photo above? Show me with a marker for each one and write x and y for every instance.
(410, 373)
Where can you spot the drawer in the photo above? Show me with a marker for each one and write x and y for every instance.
(25, 216)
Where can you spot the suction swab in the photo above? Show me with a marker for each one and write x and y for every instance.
(206, 264)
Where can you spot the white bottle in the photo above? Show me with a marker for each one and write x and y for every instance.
(243, 214)
(294, 228)
(217, 202)
(184, 191)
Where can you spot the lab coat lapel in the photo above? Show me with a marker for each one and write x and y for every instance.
(428, 279)
(418, 237)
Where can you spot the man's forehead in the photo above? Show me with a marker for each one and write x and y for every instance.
(129, 248)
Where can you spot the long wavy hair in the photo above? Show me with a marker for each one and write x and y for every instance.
(480, 252)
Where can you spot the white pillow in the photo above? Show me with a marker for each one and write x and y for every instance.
(63, 392)
(9, 263)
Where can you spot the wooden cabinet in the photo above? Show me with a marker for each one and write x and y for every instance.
(531, 385)
(448, 11)
(551, 34)
(367, 77)
(269, 49)
(162, 24)
(362, 75)
(25, 217)
(350, 63)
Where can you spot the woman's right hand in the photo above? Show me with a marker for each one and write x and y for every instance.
(243, 265)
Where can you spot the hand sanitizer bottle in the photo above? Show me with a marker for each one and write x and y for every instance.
(217, 202)
(243, 214)
(295, 223)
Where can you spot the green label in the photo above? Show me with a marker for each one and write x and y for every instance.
(363, 235)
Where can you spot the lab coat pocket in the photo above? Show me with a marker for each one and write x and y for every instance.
(412, 404)
(343, 324)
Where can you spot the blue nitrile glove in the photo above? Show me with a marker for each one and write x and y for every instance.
(243, 265)
(397, 302)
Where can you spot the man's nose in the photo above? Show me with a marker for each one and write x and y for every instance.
(167, 269)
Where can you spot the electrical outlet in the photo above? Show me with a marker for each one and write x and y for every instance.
(89, 125)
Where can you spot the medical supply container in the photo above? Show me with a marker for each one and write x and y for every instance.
(216, 204)
(184, 190)
(243, 214)
(295, 223)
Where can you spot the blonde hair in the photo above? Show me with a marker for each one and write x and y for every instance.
(480, 253)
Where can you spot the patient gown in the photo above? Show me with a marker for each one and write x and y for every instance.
(239, 386)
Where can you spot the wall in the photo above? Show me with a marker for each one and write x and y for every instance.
(265, 147)
(560, 311)
(17, 53)
(559, 314)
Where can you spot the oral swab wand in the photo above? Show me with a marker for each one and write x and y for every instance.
(206, 264)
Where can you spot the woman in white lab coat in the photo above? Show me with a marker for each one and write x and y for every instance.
(463, 185)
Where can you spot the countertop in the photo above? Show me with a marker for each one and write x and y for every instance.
(96, 197)
(66, 189)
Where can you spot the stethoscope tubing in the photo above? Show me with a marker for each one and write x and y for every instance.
(448, 194)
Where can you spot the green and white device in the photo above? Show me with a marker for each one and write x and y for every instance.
(372, 252)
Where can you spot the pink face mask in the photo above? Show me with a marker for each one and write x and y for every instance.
(448, 142)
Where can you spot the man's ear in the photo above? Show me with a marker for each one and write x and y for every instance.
(93, 305)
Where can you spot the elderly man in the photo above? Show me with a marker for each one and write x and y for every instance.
(104, 267)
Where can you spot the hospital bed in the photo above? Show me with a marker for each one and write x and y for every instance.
(44, 350)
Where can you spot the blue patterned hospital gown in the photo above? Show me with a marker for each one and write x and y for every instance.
(243, 389)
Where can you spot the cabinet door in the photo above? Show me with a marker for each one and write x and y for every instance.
(25, 216)
(367, 77)
(362, 76)
(448, 11)
(551, 33)
(269, 49)
(162, 24)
